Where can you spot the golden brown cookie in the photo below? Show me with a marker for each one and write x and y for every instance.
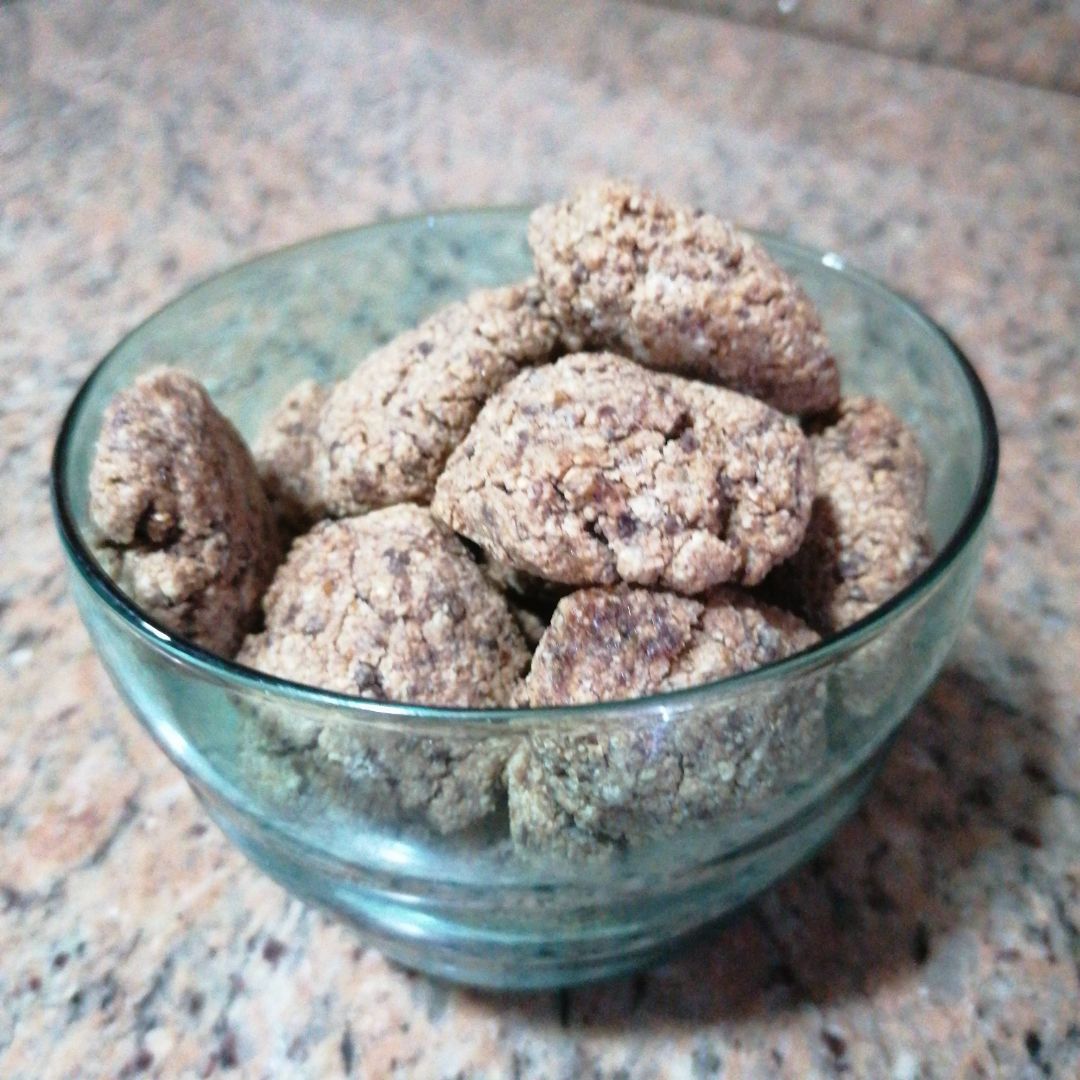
(622, 643)
(382, 435)
(389, 605)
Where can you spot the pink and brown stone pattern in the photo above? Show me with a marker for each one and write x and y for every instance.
(1030, 41)
(144, 145)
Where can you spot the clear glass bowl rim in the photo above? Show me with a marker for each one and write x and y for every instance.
(235, 677)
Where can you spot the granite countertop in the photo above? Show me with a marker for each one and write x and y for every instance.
(144, 145)
(1030, 41)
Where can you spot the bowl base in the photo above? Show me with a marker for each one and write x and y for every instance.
(445, 943)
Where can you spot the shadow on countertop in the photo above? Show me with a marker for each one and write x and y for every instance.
(901, 894)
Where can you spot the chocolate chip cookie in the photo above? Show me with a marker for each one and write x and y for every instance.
(390, 606)
(182, 522)
(382, 435)
(592, 786)
(594, 470)
(868, 535)
(681, 291)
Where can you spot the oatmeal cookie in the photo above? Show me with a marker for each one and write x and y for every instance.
(868, 535)
(182, 522)
(681, 291)
(383, 434)
(622, 643)
(390, 606)
(614, 783)
(594, 470)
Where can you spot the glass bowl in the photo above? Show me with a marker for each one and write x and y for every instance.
(464, 904)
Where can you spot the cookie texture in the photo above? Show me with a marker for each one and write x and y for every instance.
(681, 291)
(285, 453)
(336, 769)
(622, 643)
(388, 606)
(608, 784)
(868, 535)
(182, 522)
(384, 433)
(538, 823)
(594, 470)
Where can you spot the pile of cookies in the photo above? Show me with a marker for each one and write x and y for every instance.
(632, 473)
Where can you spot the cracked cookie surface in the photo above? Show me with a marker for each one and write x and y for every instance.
(681, 291)
(603, 785)
(182, 522)
(594, 470)
(868, 535)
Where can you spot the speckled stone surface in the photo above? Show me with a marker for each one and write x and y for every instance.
(1032, 41)
(145, 145)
